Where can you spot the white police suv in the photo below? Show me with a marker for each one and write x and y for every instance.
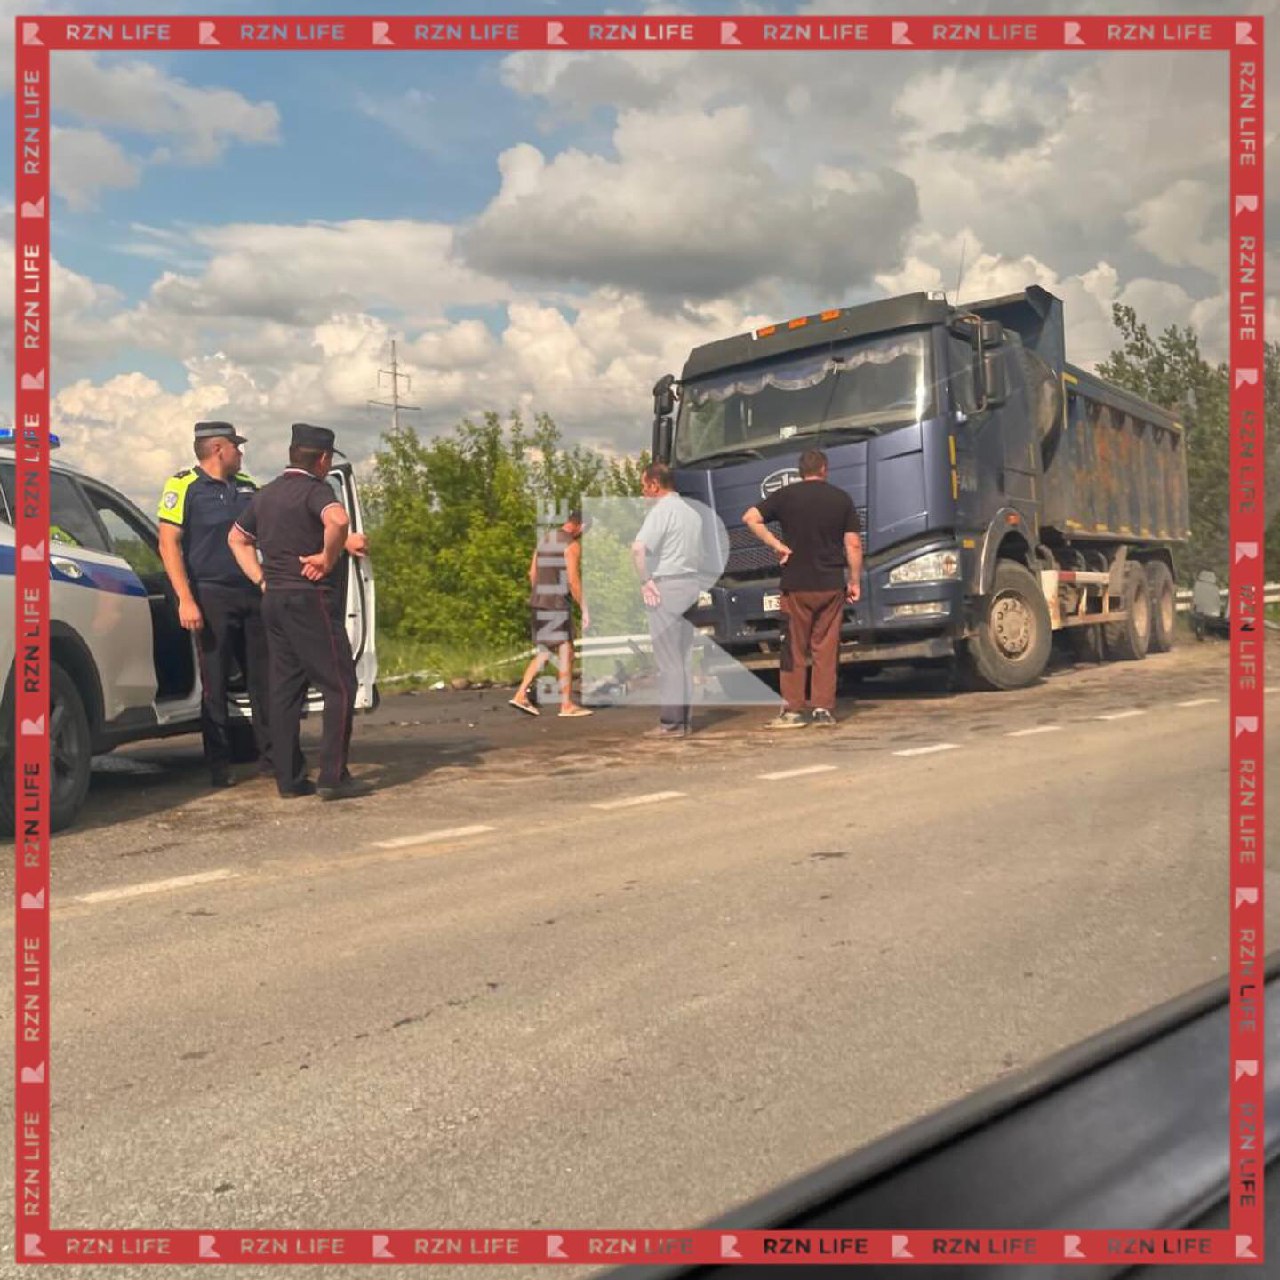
(121, 666)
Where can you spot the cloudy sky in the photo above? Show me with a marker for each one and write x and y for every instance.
(240, 235)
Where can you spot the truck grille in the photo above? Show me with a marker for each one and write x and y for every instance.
(750, 558)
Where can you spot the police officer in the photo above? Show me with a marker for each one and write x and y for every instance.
(198, 506)
(301, 529)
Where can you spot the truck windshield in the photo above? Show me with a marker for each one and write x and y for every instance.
(857, 388)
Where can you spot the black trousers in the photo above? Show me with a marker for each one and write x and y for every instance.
(232, 633)
(308, 645)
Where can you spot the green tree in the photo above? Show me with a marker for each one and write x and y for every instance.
(453, 522)
(1170, 371)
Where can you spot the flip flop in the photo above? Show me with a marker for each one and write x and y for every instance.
(575, 713)
(526, 707)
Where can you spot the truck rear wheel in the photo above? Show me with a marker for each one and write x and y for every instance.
(1011, 647)
(1163, 606)
(1128, 640)
(1086, 644)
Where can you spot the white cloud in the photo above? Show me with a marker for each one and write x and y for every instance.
(300, 273)
(1087, 296)
(196, 122)
(86, 162)
(690, 208)
(1185, 225)
(129, 431)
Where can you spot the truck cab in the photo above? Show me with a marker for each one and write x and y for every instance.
(122, 668)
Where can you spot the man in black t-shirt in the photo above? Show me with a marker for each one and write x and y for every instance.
(820, 541)
(302, 529)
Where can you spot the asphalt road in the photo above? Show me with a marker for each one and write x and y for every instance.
(553, 975)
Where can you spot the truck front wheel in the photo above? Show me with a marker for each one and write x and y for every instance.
(1011, 647)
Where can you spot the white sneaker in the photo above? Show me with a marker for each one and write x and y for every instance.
(788, 720)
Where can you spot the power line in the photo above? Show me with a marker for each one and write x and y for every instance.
(394, 404)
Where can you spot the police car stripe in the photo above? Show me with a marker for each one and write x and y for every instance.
(116, 580)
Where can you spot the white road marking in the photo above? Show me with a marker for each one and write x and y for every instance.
(652, 798)
(157, 886)
(430, 837)
(1197, 702)
(795, 773)
(1040, 728)
(1121, 715)
(924, 751)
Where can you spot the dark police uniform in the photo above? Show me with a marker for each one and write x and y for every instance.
(205, 509)
(308, 644)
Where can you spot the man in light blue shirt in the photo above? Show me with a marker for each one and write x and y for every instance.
(669, 555)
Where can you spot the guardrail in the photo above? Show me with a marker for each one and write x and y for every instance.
(1270, 595)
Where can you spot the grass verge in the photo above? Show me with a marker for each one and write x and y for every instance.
(413, 664)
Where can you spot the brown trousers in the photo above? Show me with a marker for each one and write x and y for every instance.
(812, 635)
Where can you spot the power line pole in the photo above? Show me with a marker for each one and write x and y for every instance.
(394, 404)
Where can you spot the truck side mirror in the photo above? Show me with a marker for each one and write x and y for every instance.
(995, 384)
(662, 439)
(664, 405)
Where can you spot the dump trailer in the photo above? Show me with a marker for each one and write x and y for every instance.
(1003, 493)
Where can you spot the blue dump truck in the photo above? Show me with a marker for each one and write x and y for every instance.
(1003, 493)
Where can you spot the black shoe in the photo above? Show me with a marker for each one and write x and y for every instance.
(304, 788)
(347, 789)
(221, 778)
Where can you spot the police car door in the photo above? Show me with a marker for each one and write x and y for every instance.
(134, 539)
(353, 591)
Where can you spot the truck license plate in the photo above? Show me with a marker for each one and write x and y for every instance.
(772, 603)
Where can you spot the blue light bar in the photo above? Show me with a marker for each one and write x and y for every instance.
(9, 436)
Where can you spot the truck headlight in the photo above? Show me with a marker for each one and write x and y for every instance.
(933, 566)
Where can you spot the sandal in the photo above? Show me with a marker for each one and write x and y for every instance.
(574, 712)
(528, 708)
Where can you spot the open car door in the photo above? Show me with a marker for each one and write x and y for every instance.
(353, 595)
